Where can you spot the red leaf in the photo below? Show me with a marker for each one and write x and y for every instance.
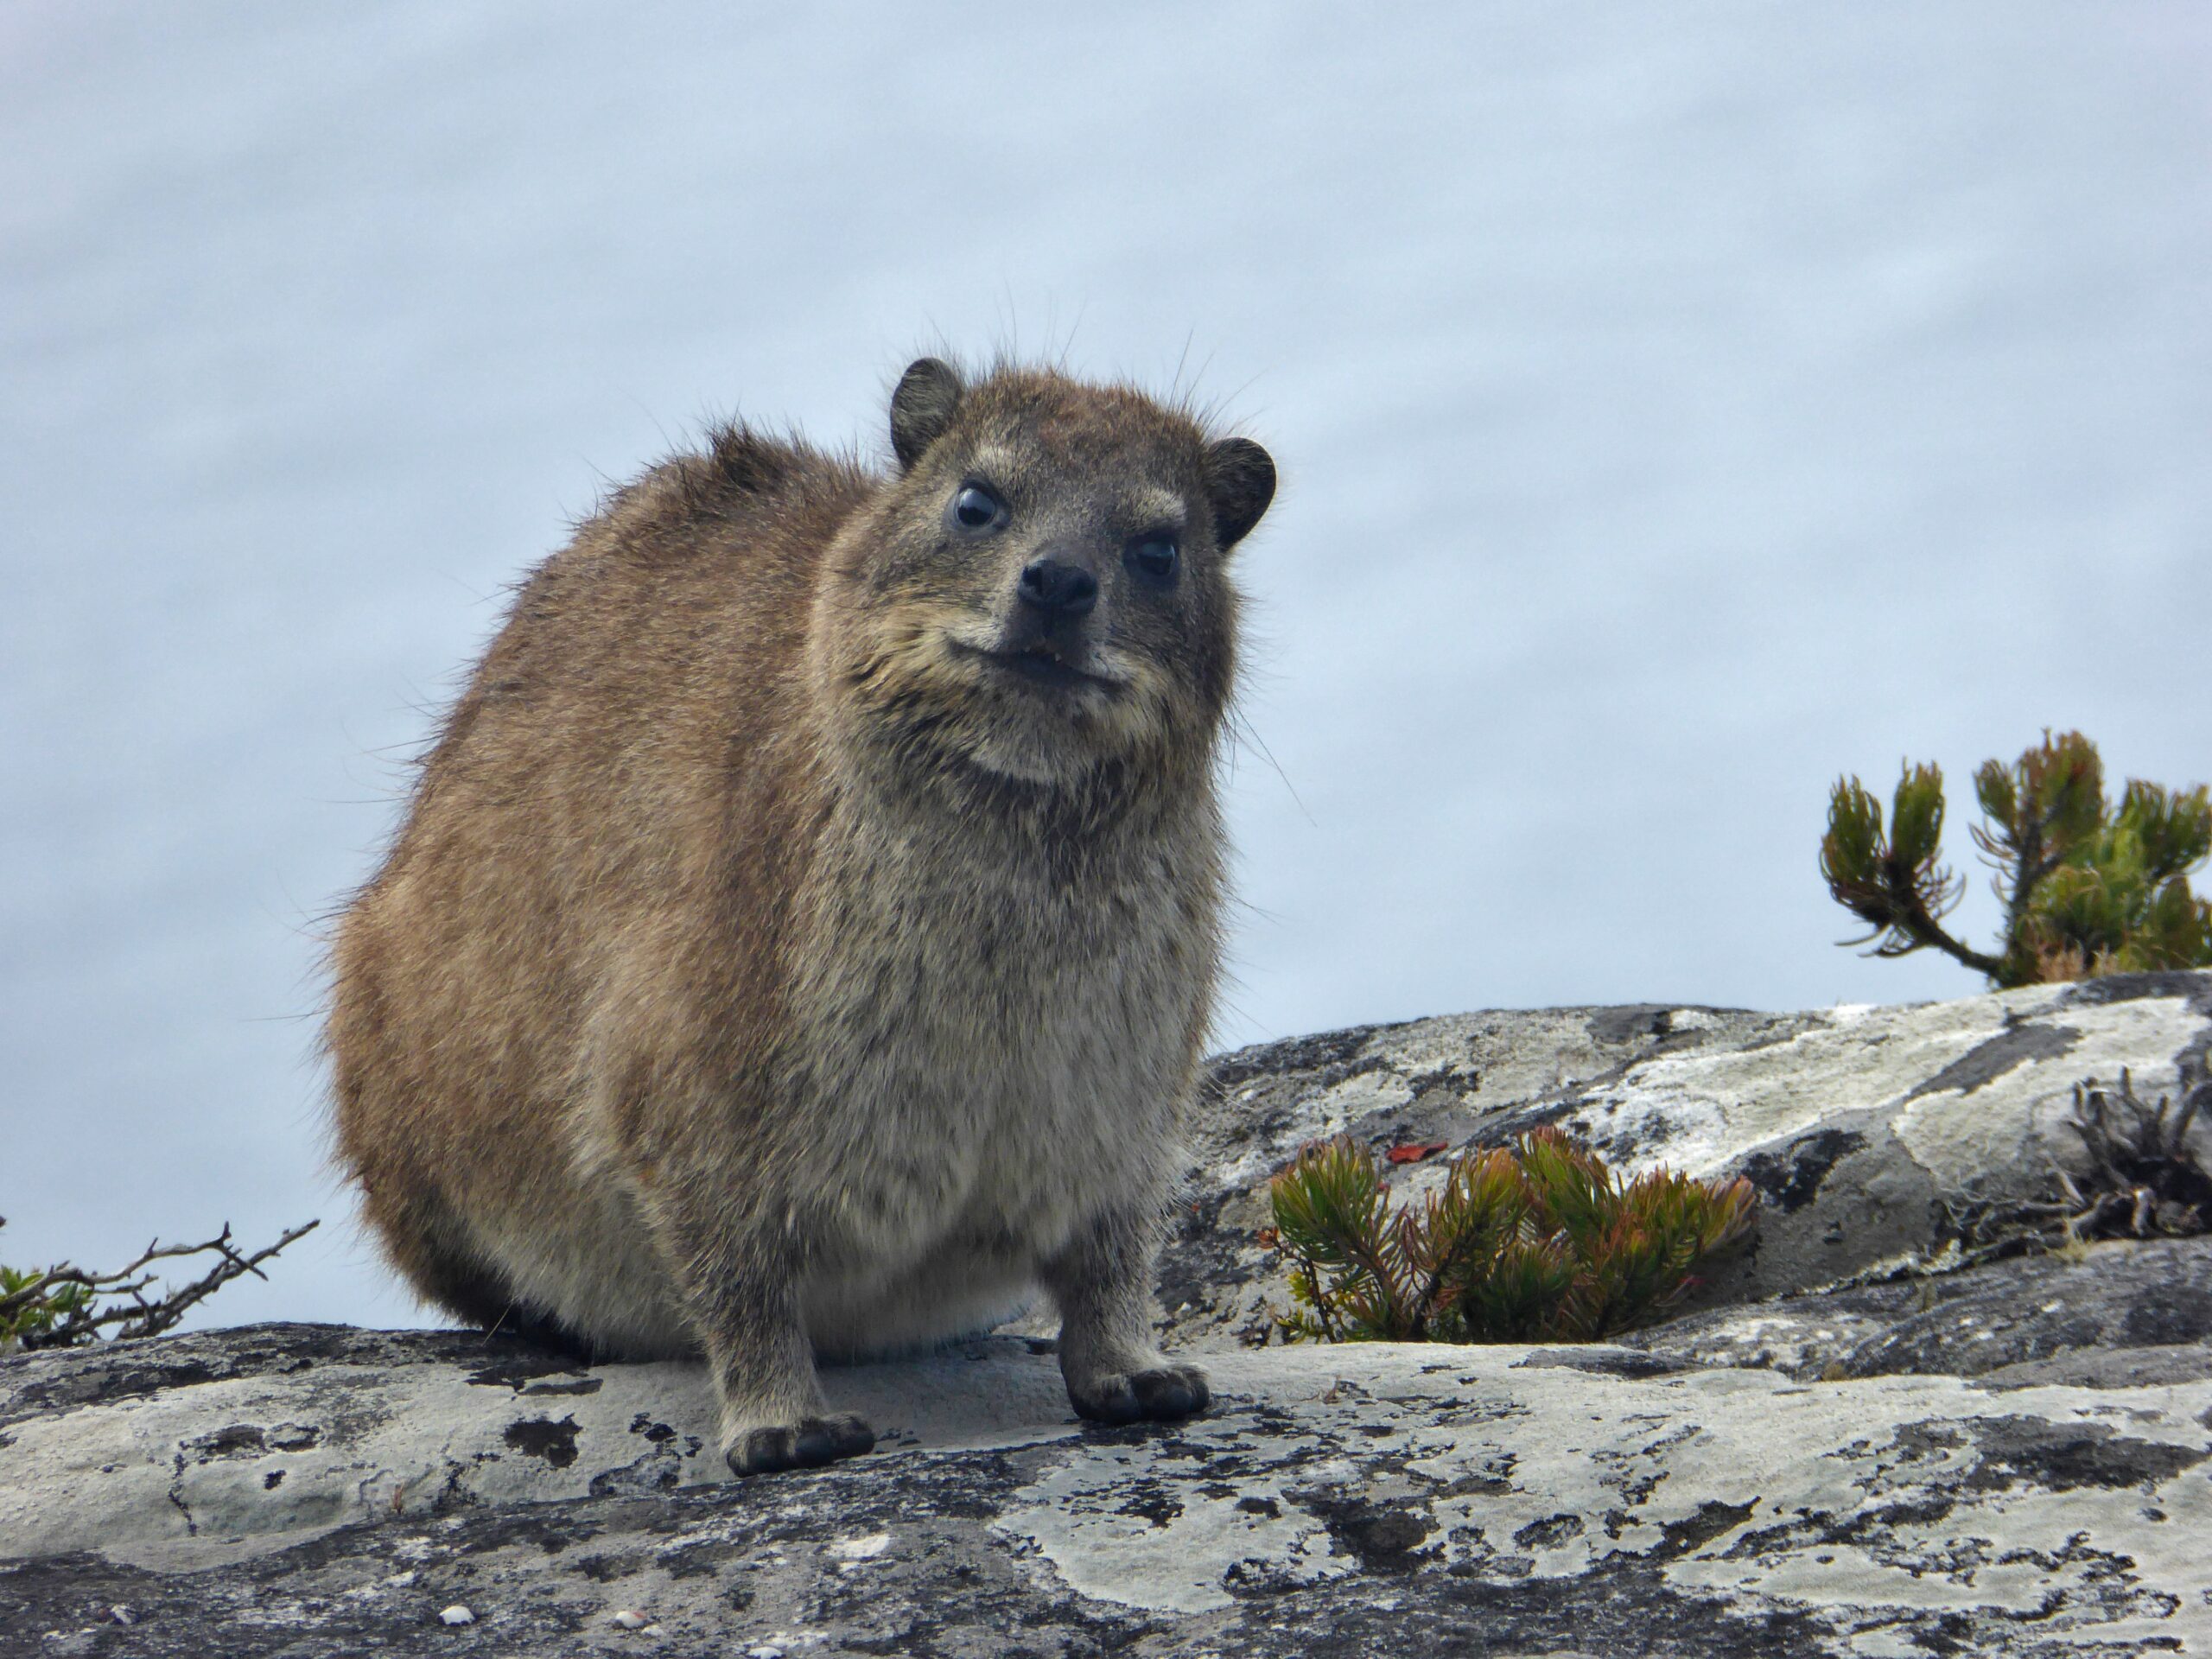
(1412, 1153)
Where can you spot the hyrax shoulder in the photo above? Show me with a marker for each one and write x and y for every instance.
(804, 931)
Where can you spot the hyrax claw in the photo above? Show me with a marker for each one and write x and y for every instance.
(1165, 1393)
(807, 1443)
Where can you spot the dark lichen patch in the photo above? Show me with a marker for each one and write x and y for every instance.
(2195, 988)
(1616, 1139)
(1868, 1528)
(1710, 1521)
(125, 1377)
(1549, 1533)
(235, 1440)
(659, 1470)
(522, 1366)
(2183, 1314)
(1152, 1502)
(1603, 1362)
(1791, 1179)
(2029, 1451)
(2011, 1048)
(541, 1437)
(238, 1441)
(1494, 1480)
(1382, 1537)
(1330, 1057)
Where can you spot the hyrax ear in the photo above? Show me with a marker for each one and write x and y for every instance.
(927, 398)
(1239, 482)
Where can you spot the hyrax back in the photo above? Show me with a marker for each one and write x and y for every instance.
(804, 931)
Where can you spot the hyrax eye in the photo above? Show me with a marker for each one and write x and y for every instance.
(977, 508)
(1152, 558)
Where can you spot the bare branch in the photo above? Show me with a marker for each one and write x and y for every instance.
(137, 1316)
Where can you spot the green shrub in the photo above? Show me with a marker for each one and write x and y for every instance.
(1535, 1242)
(32, 1303)
(2088, 889)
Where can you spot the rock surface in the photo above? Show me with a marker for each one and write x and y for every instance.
(1854, 1123)
(2016, 1459)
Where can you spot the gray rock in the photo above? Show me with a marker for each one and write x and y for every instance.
(2123, 1313)
(317, 1494)
(1853, 1123)
(2014, 1460)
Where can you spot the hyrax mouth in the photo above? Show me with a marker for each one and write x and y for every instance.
(1041, 663)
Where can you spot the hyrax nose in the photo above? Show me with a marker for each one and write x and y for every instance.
(1057, 588)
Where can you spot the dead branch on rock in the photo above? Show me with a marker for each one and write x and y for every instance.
(62, 1306)
(2145, 1180)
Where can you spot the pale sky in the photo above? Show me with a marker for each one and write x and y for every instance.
(1676, 407)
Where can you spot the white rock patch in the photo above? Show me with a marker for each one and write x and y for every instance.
(1740, 1480)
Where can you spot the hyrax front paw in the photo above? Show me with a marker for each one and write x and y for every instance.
(1160, 1392)
(807, 1443)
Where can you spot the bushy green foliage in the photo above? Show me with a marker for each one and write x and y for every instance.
(2087, 888)
(31, 1304)
(1537, 1241)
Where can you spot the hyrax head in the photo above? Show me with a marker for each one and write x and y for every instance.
(1046, 590)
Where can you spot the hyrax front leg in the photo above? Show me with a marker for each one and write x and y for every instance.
(742, 1295)
(1114, 1370)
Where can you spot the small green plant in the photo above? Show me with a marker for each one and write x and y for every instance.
(32, 1302)
(63, 1305)
(2086, 889)
(1537, 1241)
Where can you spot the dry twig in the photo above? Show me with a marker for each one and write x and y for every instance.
(2144, 1179)
(129, 1311)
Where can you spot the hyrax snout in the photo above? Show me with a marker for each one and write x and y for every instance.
(803, 932)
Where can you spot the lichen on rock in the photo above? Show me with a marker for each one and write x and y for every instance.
(2012, 1459)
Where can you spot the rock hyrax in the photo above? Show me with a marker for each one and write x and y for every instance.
(804, 930)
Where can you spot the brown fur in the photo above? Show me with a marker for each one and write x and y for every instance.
(768, 962)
